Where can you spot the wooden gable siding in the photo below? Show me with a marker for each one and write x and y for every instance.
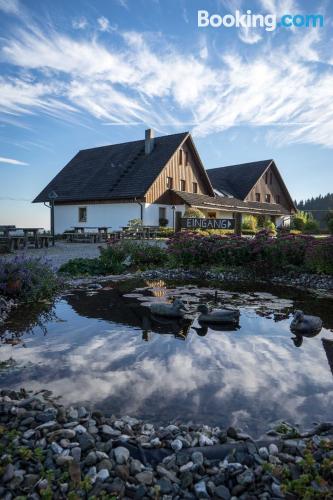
(273, 188)
(190, 173)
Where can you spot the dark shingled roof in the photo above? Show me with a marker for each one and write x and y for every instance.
(226, 203)
(118, 171)
(237, 180)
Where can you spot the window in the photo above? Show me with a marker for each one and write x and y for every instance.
(270, 177)
(180, 156)
(211, 215)
(257, 196)
(195, 187)
(186, 158)
(182, 185)
(277, 198)
(169, 182)
(162, 220)
(267, 198)
(266, 178)
(82, 214)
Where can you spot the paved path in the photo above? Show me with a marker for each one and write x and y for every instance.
(61, 252)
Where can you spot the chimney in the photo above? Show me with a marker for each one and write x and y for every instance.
(149, 141)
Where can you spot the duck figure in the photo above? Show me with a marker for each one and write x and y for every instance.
(218, 316)
(175, 310)
(303, 324)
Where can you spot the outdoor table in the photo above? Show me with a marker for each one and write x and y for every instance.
(5, 230)
(30, 230)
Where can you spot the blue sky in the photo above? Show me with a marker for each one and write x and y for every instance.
(87, 73)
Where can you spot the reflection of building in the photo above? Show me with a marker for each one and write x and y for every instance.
(158, 286)
(328, 346)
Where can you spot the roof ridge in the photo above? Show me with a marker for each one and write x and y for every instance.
(132, 142)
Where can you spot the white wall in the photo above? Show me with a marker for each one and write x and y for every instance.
(151, 213)
(114, 215)
(283, 221)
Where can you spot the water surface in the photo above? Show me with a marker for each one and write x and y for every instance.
(103, 348)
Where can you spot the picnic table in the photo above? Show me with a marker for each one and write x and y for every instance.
(141, 232)
(10, 238)
(92, 234)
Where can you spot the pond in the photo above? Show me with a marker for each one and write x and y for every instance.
(101, 347)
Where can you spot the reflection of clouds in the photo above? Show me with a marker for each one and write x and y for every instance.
(246, 375)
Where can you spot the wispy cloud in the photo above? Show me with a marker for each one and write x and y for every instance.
(12, 161)
(80, 23)
(146, 79)
(10, 6)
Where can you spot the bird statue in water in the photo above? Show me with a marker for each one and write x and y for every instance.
(218, 316)
(303, 324)
(175, 310)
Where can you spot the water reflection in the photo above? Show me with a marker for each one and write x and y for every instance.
(105, 348)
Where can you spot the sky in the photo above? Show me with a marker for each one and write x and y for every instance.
(86, 73)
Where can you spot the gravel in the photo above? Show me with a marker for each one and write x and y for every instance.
(58, 459)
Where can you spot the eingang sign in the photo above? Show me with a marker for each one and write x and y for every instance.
(193, 223)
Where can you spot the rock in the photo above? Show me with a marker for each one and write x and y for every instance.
(56, 448)
(103, 474)
(74, 470)
(145, 477)
(205, 440)
(91, 459)
(246, 478)
(263, 453)
(273, 449)
(28, 434)
(108, 431)
(165, 486)
(186, 480)
(82, 412)
(62, 460)
(200, 490)
(176, 445)
(72, 413)
(277, 490)
(222, 492)
(86, 441)
(47, 415)
(155, 442)
(9, 473)
(105, 464)
(232, 433)
(163, 472)
(76, 453)
(121, 455)
(122, 471)
(197, 458)
(80, 429)
(135, 467)
(187, 467)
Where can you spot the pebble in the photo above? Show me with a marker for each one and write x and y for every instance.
(121, 455)
(145, 477)
(200, 490)
(263, 453)
(103, 474)
(273, 449)
(176, 444)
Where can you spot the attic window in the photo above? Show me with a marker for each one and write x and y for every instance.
(186, 158)
(180, 157)
(257, 196)
(182, 185)
(82, 214)
(266, 178)
(277, 198)
(195, 187)
(267, 198)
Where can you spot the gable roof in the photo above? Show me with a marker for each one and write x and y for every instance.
(118, 171)
(237, 180)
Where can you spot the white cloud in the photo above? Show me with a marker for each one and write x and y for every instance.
(103, 23)
(10, 6)
(80, 23)
(249, 35)
(147, 80)
(12, 161)
(123, 3)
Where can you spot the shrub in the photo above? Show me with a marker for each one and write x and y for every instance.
(163, 222)
(319, 256)
(29, 280)
(194, 213)
(250, 223)
(83, 267)
(330, 221)
(311, 226)
(138, 254)
(270, 227)
(299, 220)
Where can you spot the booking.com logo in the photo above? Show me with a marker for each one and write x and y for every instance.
(249, 20)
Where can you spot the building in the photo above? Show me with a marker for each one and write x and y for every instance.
(155, 180)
